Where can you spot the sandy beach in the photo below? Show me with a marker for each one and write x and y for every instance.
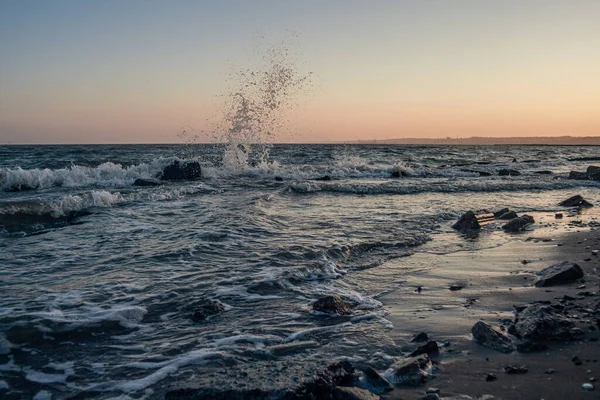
(496, 280)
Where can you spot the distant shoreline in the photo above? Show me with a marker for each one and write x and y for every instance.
(470, 141)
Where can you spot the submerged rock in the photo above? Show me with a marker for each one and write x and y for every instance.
(207, 309)
(146, 182)
(323, 178)
(560, 273)
(543, 322)
(593, 172)
(518, 224)
(333, 304)
(491, 337)
(178, 171)
(411, 372)
(508, 172)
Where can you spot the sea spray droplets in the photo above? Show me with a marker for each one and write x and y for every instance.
(256, 108)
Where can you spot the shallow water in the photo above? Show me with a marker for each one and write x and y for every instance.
(99, 278)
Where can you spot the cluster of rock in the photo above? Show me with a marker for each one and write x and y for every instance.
(536, 323)
(576, 201)
(475, 220)
(592, 173)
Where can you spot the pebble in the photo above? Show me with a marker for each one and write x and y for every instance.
(576, 360)
(550, 371)
(587, 386)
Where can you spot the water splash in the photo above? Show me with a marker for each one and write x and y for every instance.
(256, 106)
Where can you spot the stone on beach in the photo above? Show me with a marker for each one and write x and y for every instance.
(593, 172)
(501, 212)
(518, 224)
(178, 171)
(428, 348)
(508, 215)
(575, 201)
(560, 273)
(472, 221)
(352, 393)
(491, 337)
(333, 304)
(543, 322)
(420, 337)
(411, 372)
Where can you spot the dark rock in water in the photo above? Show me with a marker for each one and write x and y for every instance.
(472, 221)
(323, 178)
(543, 172)
(558, 215)
(508, 172)
(509, 215)
(585, 204)
(509, 369)
(593, 172)
(420, 337)
(207, 309)
(593, 158)
(412, 371)
(560, 273)
(491, 337)
(580, 176)
(398, 173)
(375, 382)
(279, 179)
(528, 346)
(333, 304)
(543, 322)
(518, 224)
(429, 348)
(572, 201)
(284, 379)
(146, 182)
(456, 287)
(350, 393)
(500, 213)
(178, 171)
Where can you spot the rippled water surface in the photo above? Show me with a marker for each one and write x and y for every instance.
(99, 278)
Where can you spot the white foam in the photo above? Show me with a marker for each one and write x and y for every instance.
(306, 332)
(165, 369)
(5, 345)
(43, 395)
(4, 385)
(127, 316)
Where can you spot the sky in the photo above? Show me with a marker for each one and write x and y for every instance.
(116, 71)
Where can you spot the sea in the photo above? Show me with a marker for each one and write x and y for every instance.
(99, 279)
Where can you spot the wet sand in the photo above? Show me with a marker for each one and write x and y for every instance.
(494, 280)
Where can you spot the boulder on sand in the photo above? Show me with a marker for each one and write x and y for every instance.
(560, 273)
(488, 336)
(472, 221)
(333, 304)
(508, 215)
(573, 201)
(543, 322)
(428, 348)
(374, 382)
(518, 224)
(501, 212)
(593, 172)
(178, 171)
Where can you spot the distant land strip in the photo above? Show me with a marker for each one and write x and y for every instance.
(475, 140)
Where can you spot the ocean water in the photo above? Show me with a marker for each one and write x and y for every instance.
(99, 278)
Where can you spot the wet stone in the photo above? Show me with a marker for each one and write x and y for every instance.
(333, 304)
(491, 337)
